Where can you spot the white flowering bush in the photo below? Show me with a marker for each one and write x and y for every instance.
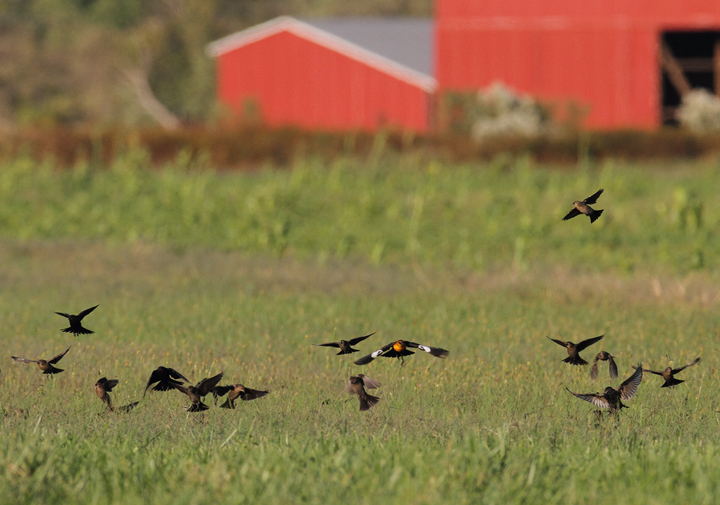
(700, 111)
(500, 111)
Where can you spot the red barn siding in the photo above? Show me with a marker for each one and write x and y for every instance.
(299, 82)
(603, 54)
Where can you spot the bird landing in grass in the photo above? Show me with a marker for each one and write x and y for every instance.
(356, 386)
(76, 328)
(236, 391)
(573, 349)
(669, 374)
(612, 398)
(45, 365)
(612, 367)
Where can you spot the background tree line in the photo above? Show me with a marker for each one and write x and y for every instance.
(133, 62)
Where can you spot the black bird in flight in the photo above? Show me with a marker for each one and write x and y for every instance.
(166, 378)
(236, 391)
(612, 367)
(399, 349)
(198, 391)
(584, 208)
(357, 384)
(76, 328)
(345, 346)
(573, 349)
(669, 374)
(45, 365)
(612, 398)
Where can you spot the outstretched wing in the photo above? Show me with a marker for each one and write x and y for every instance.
(573, 213)
(596, 399)
(587, 343)
(368, 382)
(221, 390)
(329, 344)
(559, 342)
(435, 351)
(656, 372)
(63, 314)
(59, 356)
(367, 359)
(86, 312)
(360, 339)
(613, 368)
(629, 386)
(676, 370)
(23, 360)
(206, 385)
(253, 394)
(110, 384)
(176, 375)
(592, 199)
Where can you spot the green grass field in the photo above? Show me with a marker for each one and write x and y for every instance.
(208, 272)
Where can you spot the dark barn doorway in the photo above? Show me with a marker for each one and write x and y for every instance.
(688, 60)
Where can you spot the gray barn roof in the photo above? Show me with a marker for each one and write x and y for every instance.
(408, 41)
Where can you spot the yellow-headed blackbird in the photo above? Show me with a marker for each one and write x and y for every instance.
(612, 398)
(612, 367)
(669, 374)
(75, 327)
(166, 378)
(198, 391)
(573, 349)
(357, 384)
(45, 365)
(584, 208)
(345, 346)
(399, 349)
(236, 391)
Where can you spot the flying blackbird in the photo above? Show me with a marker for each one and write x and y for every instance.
(604, 356)
(399, 350)
(198, 391)
(584, 208)
(357, 385)
(612, 398)
(45, 365)
(346, 345)
(669, 374)
(166, 378)
(236, 391)
(102, 388)
(574, 349)
(75, 327)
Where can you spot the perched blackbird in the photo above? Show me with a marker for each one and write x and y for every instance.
(399, 349)
(45, 365)
(75, 327)
(345, 346)
(573, 349)
(584, 208)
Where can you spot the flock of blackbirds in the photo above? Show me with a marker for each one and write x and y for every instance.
(165, 379)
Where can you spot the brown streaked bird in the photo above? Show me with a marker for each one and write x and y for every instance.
(45, 365)
(356, 386)
(399, 349)
(345, 346)
(584, 208)
(76, 328)
(236, 391)
(196, 392)
(573, 349)
(102, 387)
(669, 374)
(612, 398)
(612, 367)
(166, 378)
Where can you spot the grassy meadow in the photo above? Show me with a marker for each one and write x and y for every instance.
(208, 271)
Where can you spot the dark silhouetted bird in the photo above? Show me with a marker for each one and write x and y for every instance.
(573, 349)
(669, 374)
(584, 208)
(612, 398)
(612, 367)
(357, 384)
(345, 346)
(45, 365)
(236, 391)
(399, 349)
(198, 391)
(166, 378)
(75, 327)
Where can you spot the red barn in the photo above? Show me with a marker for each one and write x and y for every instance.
(330, 74)
(627, 61)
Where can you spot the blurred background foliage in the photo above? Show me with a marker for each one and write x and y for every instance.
(101, 62)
